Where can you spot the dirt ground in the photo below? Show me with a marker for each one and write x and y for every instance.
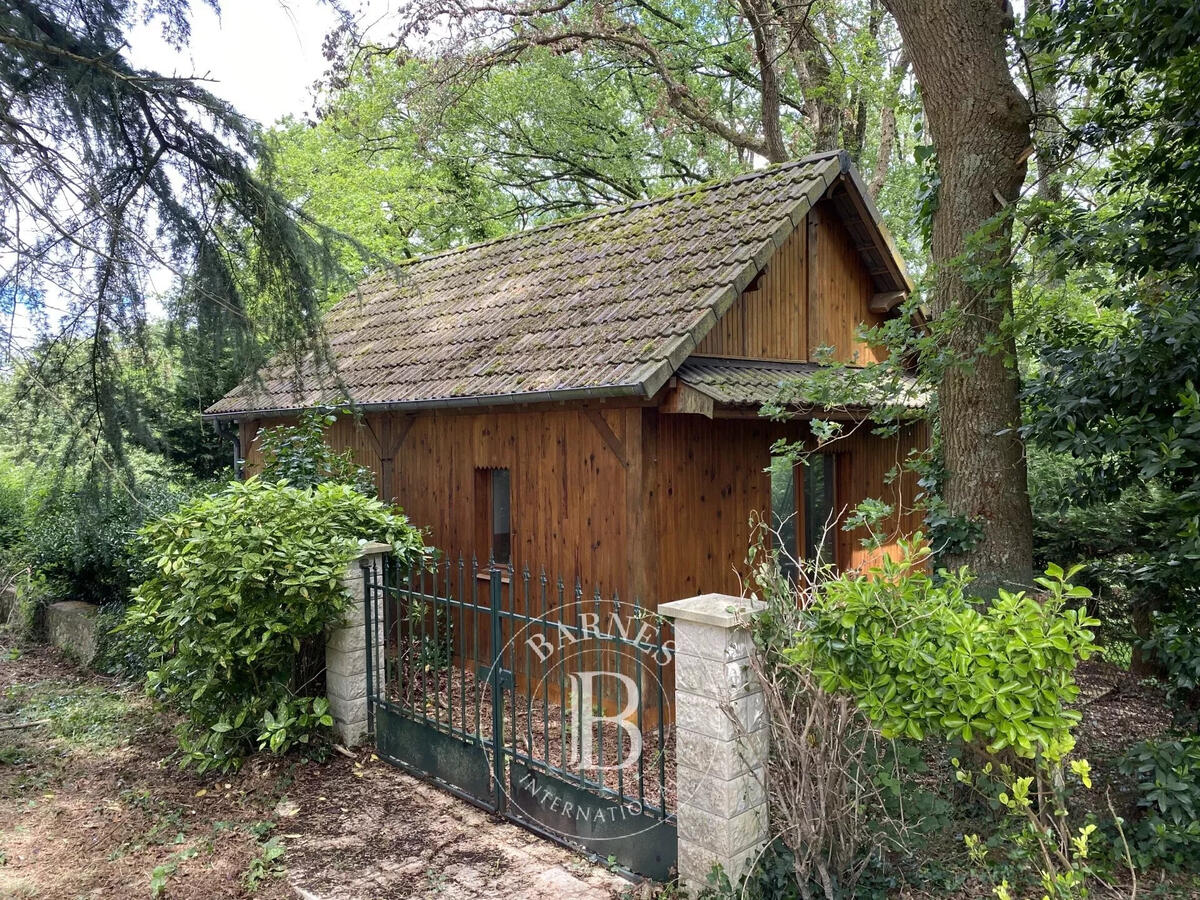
(92, 805)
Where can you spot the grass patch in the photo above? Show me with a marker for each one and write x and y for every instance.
(81, 716)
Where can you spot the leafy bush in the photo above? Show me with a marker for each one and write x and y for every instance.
(842, 799)
(240, 580)
(921, 658)
(82, 539)
(1168, 781)
(127, 654)
(1044, 849)
(299, 454)
(12, 505)
(1174, 643)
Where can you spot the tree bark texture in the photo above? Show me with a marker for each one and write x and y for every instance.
(980, 124)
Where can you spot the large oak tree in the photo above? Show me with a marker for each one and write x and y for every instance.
(981, 126)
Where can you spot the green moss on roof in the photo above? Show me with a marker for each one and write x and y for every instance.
(566, 306)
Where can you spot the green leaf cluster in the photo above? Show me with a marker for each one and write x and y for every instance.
(1174, 643)
(240, 580)
(299, 454)
(1111, 331)
(921, 657)
(1168, 780)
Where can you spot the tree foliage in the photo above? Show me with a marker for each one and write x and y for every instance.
(110, 174)
(772, 81)
(1113, 375)
(299, 454)
(405, 174)
(157, 391)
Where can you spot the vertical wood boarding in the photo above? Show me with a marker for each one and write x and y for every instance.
(769, 321)
(675, 523)
(843, 291)
(712, 479)
(814, 293)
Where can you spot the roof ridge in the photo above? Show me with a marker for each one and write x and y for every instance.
(626, 207)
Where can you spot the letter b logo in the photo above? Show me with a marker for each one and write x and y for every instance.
(584, 719)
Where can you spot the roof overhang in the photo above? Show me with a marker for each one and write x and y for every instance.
(704, 384)
(605, 392)
(871, 237)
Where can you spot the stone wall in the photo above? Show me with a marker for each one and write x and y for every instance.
(71, 627)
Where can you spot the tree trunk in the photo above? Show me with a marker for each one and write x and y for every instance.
(980, 125)
(1047, 128)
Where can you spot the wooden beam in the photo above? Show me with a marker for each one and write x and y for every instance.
(685, 399)
(851, 189)
(614, 442)
(393, 430)
(373, 434)
(399, 433)
(638, 552)
(811, 300)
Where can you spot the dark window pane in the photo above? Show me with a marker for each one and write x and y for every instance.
(820, 527)
(501, 517)
(783, 514)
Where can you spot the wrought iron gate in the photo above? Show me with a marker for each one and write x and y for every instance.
(506, 688)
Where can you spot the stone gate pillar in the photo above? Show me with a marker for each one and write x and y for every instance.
(346, 656)
(721, 738)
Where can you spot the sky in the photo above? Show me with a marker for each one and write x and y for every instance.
(262, 55)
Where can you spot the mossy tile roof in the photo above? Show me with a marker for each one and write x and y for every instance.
(606, 304)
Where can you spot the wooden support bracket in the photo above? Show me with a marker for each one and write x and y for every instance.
(885, 301)
(614, 443)
(683, 398)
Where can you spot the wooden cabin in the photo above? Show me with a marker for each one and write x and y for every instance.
(583, 397)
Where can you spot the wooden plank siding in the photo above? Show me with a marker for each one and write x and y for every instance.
(572, 509)
(871, 462)
(843, 293)
(712, 480)
(674, 523)
(814, 293)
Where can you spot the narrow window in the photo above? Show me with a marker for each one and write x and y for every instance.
(804, 526)
(493, 515)
(501, 517)
(783, 514)
(820, 524)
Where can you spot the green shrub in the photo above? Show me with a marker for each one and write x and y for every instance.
(240, 580)
(1174, 643)
(299, 454)
(82, 540)
(1168, 781)
(921, 658)
(120, 652)
(12, 505)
